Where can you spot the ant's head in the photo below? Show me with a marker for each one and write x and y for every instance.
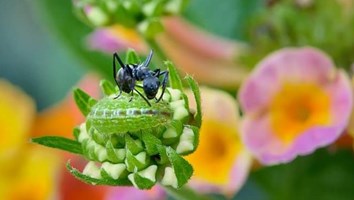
(151, 86)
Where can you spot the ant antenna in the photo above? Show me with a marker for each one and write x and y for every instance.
(148, 59)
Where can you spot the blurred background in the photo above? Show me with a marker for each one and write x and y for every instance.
(44, 53)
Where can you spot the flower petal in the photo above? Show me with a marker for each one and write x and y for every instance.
(16, 117)
(289, 64)
(211, 59)
(220, 149)
(116, 38)
(323, 122)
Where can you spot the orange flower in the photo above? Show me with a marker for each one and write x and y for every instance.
(22, 166)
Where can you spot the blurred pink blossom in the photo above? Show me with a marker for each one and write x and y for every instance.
(116, 38)
(294, 102)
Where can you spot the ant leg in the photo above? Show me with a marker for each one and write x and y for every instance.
(120, 93)
(132, 95)
(147, 101)
(157, 72)
(164, 82)
(116, 57)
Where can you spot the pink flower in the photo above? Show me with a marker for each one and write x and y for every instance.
(127, 193)
(116, 38)
(294, 102)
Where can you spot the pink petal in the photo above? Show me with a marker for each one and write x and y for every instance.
(128, 193)
(209, 58)
(238, 176)
(290, 64)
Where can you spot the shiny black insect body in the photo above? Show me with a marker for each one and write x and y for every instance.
(129, 74)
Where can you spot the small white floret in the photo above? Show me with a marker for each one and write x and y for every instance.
(169, 178)
(92, 170)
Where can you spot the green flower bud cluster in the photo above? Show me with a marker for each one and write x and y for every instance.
(132, 143)
(141, 14)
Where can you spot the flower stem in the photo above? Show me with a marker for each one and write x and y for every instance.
(184, 193)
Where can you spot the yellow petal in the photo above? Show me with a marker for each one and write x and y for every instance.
(219, 142)
(216, 154)
(17, 111)
(34, 177)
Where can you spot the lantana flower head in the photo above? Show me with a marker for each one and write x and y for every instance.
(221, 162)
(294, 102)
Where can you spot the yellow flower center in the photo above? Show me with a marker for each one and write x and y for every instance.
(216, 153)
(125, 33)
(298, 107)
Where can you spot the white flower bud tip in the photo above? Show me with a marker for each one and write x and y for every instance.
(92, 170)
(169, 178)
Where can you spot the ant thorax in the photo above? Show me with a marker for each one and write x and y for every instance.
(140, 73)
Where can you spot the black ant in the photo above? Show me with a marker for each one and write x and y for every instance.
(128, 74)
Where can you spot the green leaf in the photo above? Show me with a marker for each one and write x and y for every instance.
(143, 183)
(182, 168)
(111, 154)
(94, 181)
(134, 146)
(324, 175)
(99, 138)
(196, 137)
(151, 143)
(83, 101)
(132, 57)
(195, 89)
(133, 163)
(76, 133)
(87, 150)
(174, 78)
(107, 87)
(59, 143)
(163, 158)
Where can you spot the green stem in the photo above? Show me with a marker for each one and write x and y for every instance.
(157, 50)
(185, 193)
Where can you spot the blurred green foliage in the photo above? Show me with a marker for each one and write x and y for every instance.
(59, 17)
(323, 24)
(31, 58)
(322, 175)
(227, 18)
